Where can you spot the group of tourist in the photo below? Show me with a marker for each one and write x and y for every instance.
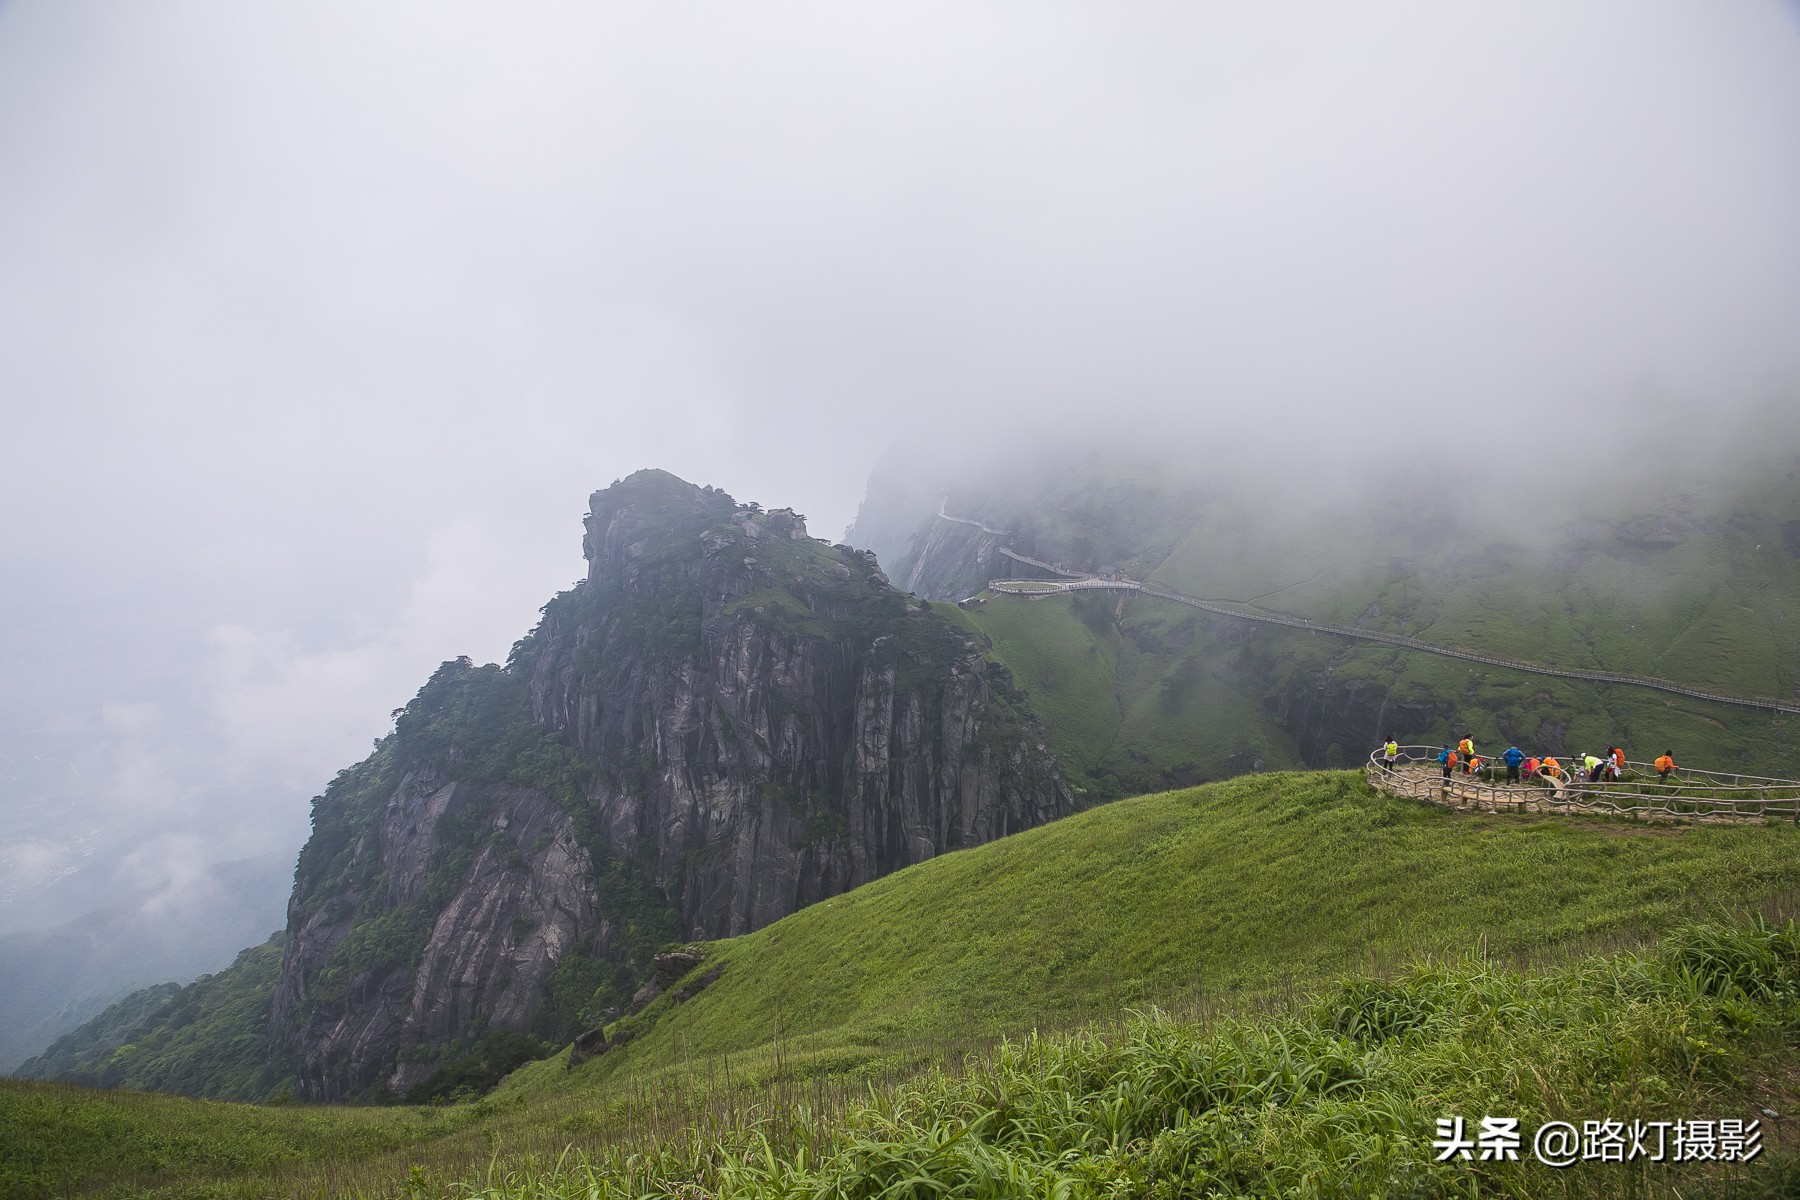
(1462, 757)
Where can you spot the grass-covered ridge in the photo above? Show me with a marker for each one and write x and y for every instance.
(1247, 896)
(1254, 885)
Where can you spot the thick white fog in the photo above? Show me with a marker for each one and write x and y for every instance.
(319, 322)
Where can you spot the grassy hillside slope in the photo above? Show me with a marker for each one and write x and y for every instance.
(1240, 896)
(1350, 1095)
(1260, 884)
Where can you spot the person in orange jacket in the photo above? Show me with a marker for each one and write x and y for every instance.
(1664, 766)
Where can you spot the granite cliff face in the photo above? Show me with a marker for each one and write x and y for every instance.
(525, 897)
(725, 721)
(792, 728)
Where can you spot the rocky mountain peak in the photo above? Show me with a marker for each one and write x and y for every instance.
(725, 721)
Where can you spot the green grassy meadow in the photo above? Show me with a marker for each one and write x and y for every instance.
(1338, 1096)
(1235, 906)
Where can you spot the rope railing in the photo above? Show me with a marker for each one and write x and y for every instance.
(1051, 587)
(1695, 795)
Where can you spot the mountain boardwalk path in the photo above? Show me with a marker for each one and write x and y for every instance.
(1695, 797)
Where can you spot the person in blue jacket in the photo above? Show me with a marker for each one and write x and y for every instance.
(1443, 756)
(1513, 756)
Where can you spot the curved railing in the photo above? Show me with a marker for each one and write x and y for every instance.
(1690, 795)
(1033, 587)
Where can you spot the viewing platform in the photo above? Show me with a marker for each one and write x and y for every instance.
(1692, 796)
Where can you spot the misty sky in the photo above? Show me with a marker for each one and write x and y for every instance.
(319, 322)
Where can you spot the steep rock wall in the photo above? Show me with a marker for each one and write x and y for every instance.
(725, 721)
(523, 894)
(804, 730)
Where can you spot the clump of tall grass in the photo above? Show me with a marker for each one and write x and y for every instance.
(1338, 1098)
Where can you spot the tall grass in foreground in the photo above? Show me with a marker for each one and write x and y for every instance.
(1340, 1098)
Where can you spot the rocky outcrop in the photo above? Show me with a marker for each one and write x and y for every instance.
(950, 560)
(1338, 721)
(587, 1045)
(665, 971)
(792, 728)
(524, 897)
(727, 716)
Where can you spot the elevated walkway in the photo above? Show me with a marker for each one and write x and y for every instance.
(1040, 564)
(1694, 797)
